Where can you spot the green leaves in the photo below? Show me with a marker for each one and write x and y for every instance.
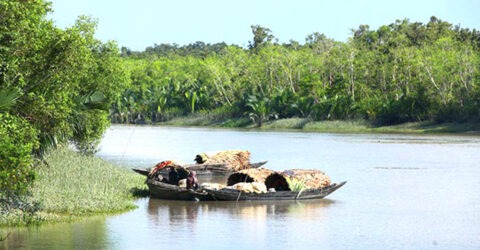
(92, 100)
(401, 72)
(17, 142)
(62, 75)
(192, 97)
(8, 98)
(56, 87)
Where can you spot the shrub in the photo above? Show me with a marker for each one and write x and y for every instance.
(17, 142)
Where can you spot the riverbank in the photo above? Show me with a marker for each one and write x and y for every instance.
(349, 126)
(69, 186)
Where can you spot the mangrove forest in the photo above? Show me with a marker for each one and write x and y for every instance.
(401, 72)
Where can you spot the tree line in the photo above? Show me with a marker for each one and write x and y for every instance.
(401, 72)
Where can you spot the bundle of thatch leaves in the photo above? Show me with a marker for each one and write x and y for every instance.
(249, 175)
(250, 187)
(235, 160)
(288, 180)
(249, 180)
(299, 179)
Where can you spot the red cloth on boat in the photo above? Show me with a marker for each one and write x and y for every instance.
(159, 166)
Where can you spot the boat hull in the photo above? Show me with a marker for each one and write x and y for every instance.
(166, 191)
(237, 195)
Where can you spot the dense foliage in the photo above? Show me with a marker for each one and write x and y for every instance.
(56, 87)
(398, 73)
(17, 141)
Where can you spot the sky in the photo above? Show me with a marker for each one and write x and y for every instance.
(142, 23)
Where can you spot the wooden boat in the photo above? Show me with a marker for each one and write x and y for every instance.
(201, 169)
(162, 190)
(265, 184)
(228, 194)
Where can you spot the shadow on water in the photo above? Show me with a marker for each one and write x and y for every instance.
(140, 192)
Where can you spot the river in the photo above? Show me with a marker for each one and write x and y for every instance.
(402, 192)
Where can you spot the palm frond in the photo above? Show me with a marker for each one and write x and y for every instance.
(92, 100)
(8, 98)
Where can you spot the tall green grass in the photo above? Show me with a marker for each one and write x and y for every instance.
(289, 123)
(355, 126)
(71, 185)
(319, 126)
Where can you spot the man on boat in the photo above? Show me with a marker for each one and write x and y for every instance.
(192, 182)
(201, 158)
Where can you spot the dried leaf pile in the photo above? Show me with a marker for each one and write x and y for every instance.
(234, 159)
(250, 187)
(311, 178)
(249, 175)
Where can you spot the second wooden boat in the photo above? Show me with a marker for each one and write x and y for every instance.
(228, 194)
(201, 169)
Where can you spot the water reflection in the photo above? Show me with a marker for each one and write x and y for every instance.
(256, 224)
(177, 211)
(87, 234)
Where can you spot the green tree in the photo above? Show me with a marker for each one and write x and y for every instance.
(261, 37)
(401, 72)
(56, 86)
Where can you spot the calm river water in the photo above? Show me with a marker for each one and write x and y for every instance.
(403, 192)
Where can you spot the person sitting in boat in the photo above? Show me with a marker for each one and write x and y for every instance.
(173, 176)
(192, 182)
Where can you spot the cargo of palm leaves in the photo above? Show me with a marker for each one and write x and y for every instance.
(220, 163)
(265, 184)
(246, 181)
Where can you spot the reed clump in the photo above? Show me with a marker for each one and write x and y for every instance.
(70, 186)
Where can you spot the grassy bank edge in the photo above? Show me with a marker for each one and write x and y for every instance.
(71, 187)
(336, 126)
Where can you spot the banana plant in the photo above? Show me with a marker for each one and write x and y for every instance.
(192, 98)
(260, 109)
